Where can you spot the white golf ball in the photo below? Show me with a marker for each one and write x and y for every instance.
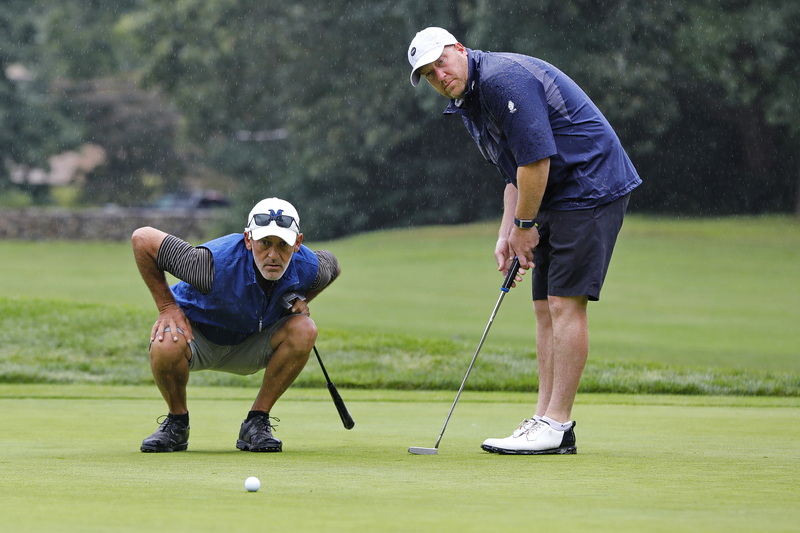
(252, 484)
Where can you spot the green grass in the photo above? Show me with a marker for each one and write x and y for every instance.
(696, 337)
(705, 291)
(70, 462)
(690, 306)
(710, 292)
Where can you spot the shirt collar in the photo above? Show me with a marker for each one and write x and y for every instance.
(471, 77)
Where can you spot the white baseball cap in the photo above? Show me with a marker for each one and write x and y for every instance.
(426, 48)
(273, 216)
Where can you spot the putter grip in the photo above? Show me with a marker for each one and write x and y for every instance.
(512, 273)
(344, 414)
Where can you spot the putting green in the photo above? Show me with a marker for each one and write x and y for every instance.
(70, 461)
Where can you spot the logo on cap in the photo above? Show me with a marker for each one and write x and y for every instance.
(413, 51)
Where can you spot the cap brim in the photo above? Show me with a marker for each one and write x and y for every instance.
(288, 235)
(424, 59)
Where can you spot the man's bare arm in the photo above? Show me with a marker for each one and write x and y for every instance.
(146, 242)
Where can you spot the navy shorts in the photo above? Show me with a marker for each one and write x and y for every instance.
(575, 250)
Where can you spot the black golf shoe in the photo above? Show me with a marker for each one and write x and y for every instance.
(172, 436)
(255, 435)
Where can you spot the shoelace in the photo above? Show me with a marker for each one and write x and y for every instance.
(265, 422)
(532, 431)
(164, 422)
(525, 426)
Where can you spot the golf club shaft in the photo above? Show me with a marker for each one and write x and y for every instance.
(512, 273)
(344, 414)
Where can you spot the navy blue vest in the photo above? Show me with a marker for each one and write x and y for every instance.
(237, 307)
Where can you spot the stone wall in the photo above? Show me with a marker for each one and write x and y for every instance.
(105, 224)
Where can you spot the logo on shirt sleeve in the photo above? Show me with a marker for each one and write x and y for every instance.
(511, 107)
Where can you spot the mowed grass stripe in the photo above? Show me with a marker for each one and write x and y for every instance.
(694, 306)
(640, 466)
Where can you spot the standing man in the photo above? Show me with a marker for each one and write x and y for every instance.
(568, 182)
(241, 306)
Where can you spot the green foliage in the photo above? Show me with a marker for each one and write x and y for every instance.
(67, 47)
(366, 151)
(738, 61)
(702, 94)
(138, 131)
(310, 100)
(354, 156)
(80, 41)
(32, 126)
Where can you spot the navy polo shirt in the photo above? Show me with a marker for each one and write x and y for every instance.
(520, 109)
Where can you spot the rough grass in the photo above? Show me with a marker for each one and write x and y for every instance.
(60, 342)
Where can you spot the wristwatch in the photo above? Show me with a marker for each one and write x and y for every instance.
(524, 224)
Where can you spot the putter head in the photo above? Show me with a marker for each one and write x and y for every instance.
(423, 451)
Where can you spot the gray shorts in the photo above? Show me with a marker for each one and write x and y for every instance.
(245, 358)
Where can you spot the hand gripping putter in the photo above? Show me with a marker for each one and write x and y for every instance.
(512, 273)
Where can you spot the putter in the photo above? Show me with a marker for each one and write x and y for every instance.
(512, 273)
(344, 414)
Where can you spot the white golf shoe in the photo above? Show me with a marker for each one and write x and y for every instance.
(534, 437)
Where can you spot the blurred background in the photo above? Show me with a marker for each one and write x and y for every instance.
(186, 106)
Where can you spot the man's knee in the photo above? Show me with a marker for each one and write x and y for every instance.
(566, 307)
(300, 332)
(168, 351)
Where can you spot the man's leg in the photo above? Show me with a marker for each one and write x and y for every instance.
(169, 362)
(544, 354)
(562, 348)
(292, 345)
(570, 349)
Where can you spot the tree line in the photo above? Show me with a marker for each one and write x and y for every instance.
(311, 101)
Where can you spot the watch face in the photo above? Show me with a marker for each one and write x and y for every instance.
(524, 224)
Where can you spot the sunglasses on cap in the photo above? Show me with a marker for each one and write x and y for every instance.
(281, 220)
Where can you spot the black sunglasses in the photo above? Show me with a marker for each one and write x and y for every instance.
(282, 221)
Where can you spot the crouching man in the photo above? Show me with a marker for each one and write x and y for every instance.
(241, 306)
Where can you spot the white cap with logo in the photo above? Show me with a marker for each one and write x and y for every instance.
(273, 216)
(426, 48)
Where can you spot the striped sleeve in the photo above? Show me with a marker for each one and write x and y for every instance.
(328, 270)
(193, 265)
